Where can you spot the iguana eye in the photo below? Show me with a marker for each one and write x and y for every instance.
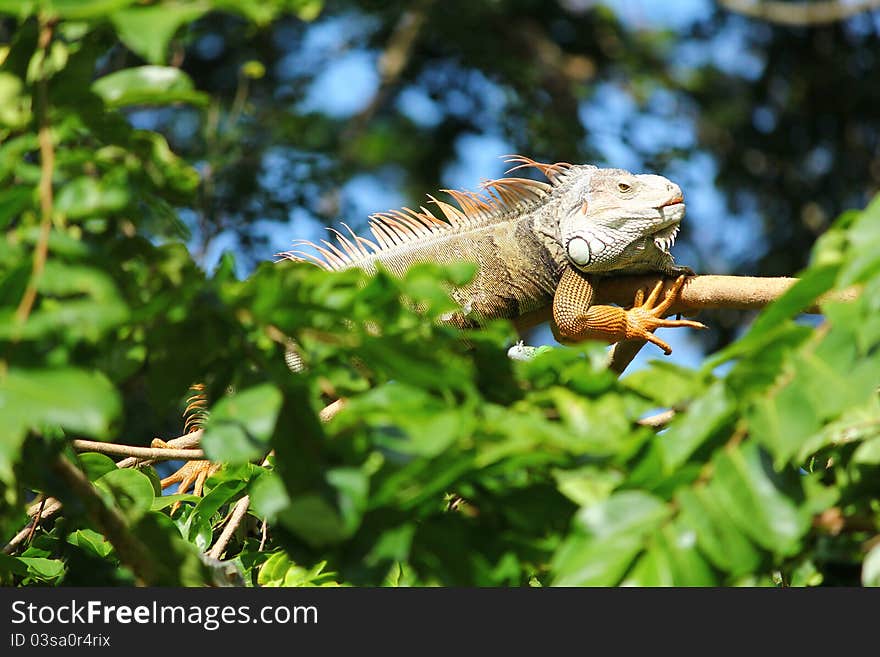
(623, 187)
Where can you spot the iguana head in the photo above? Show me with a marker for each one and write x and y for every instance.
(613, 220)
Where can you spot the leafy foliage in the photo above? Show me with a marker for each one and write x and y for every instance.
(451, 464)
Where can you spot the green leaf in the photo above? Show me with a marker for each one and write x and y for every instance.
(15, 103)
(13, 202)
(78, 401)
(147, 85)
(68, 9)
(708, 415)
(813, 283)
(868, 452)
(241, 424)
(315, 520)
(91, 541)
(606, 539)
(279, 570)
(622, 513)
(665, 383)
(176, 562)
(672, 560)
(717, 537)
(782, 422)
(859, 423)
(198, 525)
(43, 569)
(164, 501)
(148, 30)
(9, 567)
(423, 424)
(871, 567)
(85, 197)
(131, 490)
(585, 562)
(746, 487)
(95, 465)
(588, 485)
(77, 302)
(269, 496)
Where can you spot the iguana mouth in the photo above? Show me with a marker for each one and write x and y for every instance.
(673, 213)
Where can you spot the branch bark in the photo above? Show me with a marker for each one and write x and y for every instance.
(152, 453)
(130, 549)
(47, 169)
(698, 293)
(799, 13)
(239, 511)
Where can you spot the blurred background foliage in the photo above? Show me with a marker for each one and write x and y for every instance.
(156, 154)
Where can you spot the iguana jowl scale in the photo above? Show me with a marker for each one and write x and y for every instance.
(535, 244)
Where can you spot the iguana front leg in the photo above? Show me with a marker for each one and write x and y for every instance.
(575, 319)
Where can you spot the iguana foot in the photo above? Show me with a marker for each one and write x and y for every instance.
(571, 324)
(646, 315)
(192, 473)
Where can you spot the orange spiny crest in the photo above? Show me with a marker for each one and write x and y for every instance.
(196, 411)
(393, 228)
(551, 171)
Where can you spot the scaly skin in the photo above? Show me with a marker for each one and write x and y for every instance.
(538, 245)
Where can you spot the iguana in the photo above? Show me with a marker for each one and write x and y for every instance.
(536, 244)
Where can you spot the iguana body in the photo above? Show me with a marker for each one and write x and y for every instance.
(536, 244)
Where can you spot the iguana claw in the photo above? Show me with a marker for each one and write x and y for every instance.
(647, 315)
(192, 473)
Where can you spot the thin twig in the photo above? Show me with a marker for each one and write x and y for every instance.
(330, 410)
(659, 420)
(238, 513)
(47, 168)
(187, 440)
(264, 534)
(36, 521)
(52, 507)
(153, 453)
(129, 548)
(392, 64)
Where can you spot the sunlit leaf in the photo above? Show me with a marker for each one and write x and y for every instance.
(147, 85)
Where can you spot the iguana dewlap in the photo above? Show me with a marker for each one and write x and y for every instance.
(536, 244)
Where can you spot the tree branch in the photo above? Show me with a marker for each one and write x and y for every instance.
(47, 507)
(239, 511)
(131, 551)
(47, 168)
(152, 453)
(622, 354)
(658, 420)
(799, 13)
(698, 293)
(392, 63)
(705, 292)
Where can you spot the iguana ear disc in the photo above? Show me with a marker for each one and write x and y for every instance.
(579, 251)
